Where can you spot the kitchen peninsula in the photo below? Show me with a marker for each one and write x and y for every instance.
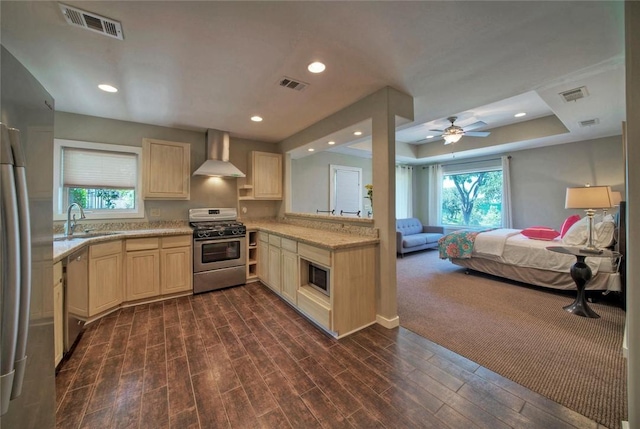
(326, 274)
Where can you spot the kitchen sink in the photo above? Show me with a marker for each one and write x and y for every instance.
(83, 235)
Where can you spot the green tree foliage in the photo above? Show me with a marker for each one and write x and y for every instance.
(474, 200)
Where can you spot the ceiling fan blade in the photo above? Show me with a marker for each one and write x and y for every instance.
(438, 131)
(477, 133)
(475, 125)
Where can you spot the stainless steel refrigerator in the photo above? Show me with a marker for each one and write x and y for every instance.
(27, 381)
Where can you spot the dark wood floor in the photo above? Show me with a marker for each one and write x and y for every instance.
(243, 358)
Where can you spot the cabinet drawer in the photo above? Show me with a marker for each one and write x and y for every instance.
(142, 244)
(104, 249)
(319, 311)
(275, 240)
(315, 254)
(290, 245)
(176, 241)
(263, 236)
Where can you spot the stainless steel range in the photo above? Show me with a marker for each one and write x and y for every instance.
(219, 249)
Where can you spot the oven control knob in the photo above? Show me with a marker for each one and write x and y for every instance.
(221, 232)
(235, 232)
(203, 234)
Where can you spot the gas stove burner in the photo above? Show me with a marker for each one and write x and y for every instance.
(215, 223)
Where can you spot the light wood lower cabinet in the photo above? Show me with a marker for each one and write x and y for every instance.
(158, 266)
(143, 274)
(58, 313)
(176, 264)
(283, 265)
(105, 276)
(289, 274)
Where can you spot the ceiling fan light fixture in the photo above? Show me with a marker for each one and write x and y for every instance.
(452, 138)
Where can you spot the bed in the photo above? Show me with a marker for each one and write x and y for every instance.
(509, 254)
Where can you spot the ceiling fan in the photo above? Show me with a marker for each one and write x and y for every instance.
(454, 133)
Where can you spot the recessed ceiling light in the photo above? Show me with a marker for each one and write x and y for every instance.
(429, 137)
(256, 118)
(520, 115)
(311, 149)
(357, 133)
(107, 88)
(316, 67)
(331, 142)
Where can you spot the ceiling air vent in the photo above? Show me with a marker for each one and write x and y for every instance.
(574, 94)
(288, 82)
(91, 21)
(589, 122)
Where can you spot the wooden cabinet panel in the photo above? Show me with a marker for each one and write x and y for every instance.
(58, 313)
(315, 306)
(143, 274)
(264, 177)
(315, 254)
(263, 260)
(289, 275)
(105, 280)
(274, 268)
(166, 170)
(176, 274)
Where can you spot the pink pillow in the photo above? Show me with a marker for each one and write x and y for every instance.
(567, 224)
(540, 233)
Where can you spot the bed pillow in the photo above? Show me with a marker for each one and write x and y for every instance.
(604, 234)
(540, 233)
(568, 222)
(577, 234)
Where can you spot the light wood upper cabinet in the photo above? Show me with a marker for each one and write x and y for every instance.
(105, 276)
(166, 170)
(264, 177)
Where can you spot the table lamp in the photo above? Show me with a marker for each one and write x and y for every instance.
(616, 197)
(589, 198)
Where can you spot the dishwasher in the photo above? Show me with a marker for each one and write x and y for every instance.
(76, 292)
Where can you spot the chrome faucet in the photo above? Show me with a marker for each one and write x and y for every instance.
(71, 223)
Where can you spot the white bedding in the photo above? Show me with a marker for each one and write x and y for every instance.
(508, 246)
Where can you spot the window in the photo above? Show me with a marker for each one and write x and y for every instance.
(105, 179)
(472, 195)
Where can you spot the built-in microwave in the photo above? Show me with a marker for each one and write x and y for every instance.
(319, 278)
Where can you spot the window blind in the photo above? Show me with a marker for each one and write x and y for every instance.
(98, 169)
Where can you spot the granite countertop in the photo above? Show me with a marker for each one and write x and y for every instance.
(62, 249)
(317, 237)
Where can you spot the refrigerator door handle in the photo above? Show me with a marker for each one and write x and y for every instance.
(24, 220)
(10, 269)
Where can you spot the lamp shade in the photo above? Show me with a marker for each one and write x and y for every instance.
(616, 197)
(588, 197)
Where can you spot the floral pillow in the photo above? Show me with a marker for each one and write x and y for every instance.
(540, 233)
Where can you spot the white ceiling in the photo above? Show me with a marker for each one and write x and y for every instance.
(199, 65)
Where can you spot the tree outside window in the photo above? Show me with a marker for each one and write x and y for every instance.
(472, 199)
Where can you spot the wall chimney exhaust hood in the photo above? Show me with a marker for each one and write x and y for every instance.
(217, 163)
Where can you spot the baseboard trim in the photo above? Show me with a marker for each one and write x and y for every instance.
(388, 323)
(625, 425)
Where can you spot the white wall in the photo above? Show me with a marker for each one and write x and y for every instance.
(205, 191)
(539, 178)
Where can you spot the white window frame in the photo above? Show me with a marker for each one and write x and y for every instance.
(60, 212)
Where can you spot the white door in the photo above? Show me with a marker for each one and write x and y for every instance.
(345, 190)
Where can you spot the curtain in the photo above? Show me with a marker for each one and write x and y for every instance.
(507, 221)
(434, 196)
(404, 191)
